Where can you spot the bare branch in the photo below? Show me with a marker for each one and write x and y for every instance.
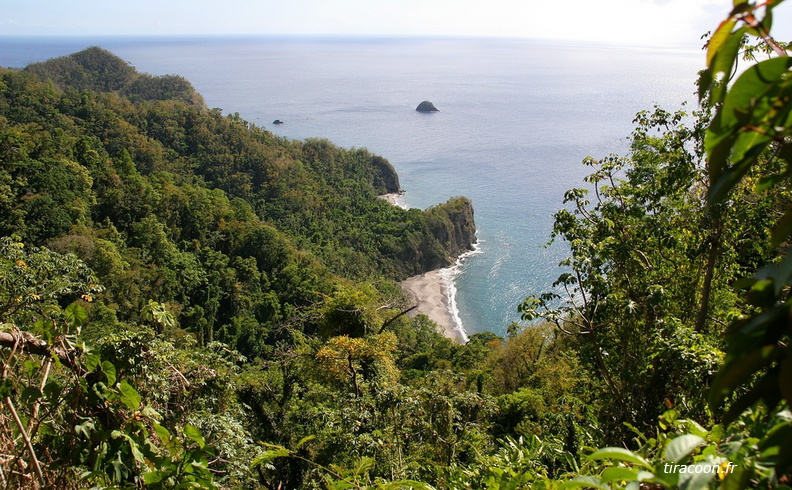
(27, 342)
(388, 322)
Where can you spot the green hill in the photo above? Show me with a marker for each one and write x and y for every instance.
(95, 69)
(188, 301)
(167, 200)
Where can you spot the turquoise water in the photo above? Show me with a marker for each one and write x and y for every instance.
(516, 119)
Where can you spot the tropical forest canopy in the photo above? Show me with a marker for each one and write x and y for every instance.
(189, 301)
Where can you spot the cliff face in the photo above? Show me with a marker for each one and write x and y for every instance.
(450, 232)
(385, 177)
(453, 225)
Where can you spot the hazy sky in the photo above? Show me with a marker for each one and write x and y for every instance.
(653, 22)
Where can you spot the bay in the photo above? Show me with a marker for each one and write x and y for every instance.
(516, 118)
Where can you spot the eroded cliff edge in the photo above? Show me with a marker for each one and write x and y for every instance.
(450, 231)
(453, 223)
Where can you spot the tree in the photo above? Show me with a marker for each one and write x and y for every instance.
(649, 272)
(67, 414)
(747, 147)
(749, 141)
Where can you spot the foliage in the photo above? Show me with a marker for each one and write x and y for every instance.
(229, 229)
(249, 332)
(752, 120)
(70, 417)
(204, 228)
(649, 277)
(688, 456)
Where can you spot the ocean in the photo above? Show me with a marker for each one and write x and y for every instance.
(515, 120)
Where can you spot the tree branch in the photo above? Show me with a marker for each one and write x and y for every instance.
(388, 322)
(27, 342)
(33, 459)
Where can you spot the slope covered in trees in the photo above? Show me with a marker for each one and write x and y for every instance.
(188, 300)
(198, 227)
(220, 221)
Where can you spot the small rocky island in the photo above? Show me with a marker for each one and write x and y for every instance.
(426, 106)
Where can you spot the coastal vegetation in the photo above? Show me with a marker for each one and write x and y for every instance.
(188, 301)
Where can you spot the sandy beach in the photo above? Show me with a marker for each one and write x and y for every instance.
(431, 295)
(396, 198)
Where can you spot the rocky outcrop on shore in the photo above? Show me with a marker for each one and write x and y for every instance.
(386, 180)
(458, 229)
(453, 231)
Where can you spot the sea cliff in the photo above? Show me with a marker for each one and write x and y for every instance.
(448, 231)
(168, 199)
(454, 225)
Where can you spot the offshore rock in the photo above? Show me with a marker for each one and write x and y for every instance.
(426, 106)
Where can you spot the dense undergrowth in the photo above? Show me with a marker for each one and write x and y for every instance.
(187, 301)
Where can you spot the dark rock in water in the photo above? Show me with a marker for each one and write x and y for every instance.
(426, 106)
(277, 121)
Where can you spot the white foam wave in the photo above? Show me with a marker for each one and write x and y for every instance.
(448, 277)
(400, 200)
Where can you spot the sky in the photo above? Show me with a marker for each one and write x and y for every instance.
(635, 22)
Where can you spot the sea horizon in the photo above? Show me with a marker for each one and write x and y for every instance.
(516, 117)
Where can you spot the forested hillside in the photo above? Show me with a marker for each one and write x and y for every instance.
(229, 227)
(187, 301)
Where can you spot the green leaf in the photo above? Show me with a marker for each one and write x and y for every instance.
(85, 429)
(719, 37)
(779, 273)
(723, 65)
(785, 380)
(91, 361)
(109, 371)
(153, 477)
(75, 315)
(739, 370)
(267, 456)
(619, 454)
(697, 476)
(412, 484)
(363, 465)
(583, 482)
(129, 395)
(617, 473)
(6, 387)
(753, 101)
(304, 440)
(30, 395)
(162, 433)
(52, 391)
(765, 389)
(681, 447)
(193, 433)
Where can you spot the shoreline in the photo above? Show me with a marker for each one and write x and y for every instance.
(434, 292)
(395, 198)
(433, 295)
